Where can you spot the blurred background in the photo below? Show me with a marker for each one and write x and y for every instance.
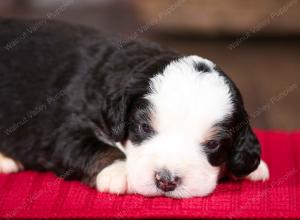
(256, 42)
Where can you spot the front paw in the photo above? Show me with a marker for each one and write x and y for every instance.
(261, 173)
(113, 179)
(8, 165)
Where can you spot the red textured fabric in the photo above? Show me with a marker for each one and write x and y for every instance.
(42, 195)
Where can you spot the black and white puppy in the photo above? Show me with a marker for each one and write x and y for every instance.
(129, 117)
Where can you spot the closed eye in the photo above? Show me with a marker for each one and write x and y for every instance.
(212, 145)
(145, 128)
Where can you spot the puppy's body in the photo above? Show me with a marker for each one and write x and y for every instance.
(55, 86)
(68, 94)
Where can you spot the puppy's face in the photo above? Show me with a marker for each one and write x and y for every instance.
(184, 131)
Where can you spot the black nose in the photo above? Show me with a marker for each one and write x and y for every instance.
(165, 181)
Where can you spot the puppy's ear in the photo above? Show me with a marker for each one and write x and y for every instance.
(115, 116)
(245, 153)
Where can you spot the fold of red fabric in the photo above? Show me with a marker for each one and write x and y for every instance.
(43, 195)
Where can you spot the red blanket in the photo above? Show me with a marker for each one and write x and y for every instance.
(42, 195)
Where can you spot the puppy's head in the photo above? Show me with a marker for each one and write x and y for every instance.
(189, 125)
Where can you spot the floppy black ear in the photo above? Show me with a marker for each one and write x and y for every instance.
(245, 154)
(115, 113)
(117, 107)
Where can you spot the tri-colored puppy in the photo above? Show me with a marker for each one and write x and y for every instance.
(129, 117)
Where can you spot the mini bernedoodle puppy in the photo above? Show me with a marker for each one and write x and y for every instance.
(125, 117)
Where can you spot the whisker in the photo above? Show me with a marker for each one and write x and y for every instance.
(186, 190)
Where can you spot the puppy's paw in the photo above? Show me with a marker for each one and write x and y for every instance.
(261, 173)
(113, 179)
(8, 165)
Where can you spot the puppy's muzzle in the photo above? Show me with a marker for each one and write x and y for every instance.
(166, 181)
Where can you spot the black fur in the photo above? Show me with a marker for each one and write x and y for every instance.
(79, 82)
(202, 67)
(62, 84)
(239, 147)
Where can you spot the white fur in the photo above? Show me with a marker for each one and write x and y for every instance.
(261, 173)
(113, 179)
(8, 165)
(186, 104)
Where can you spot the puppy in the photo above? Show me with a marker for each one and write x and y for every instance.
(122, 117)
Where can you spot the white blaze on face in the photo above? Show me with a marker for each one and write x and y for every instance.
(186, 104)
